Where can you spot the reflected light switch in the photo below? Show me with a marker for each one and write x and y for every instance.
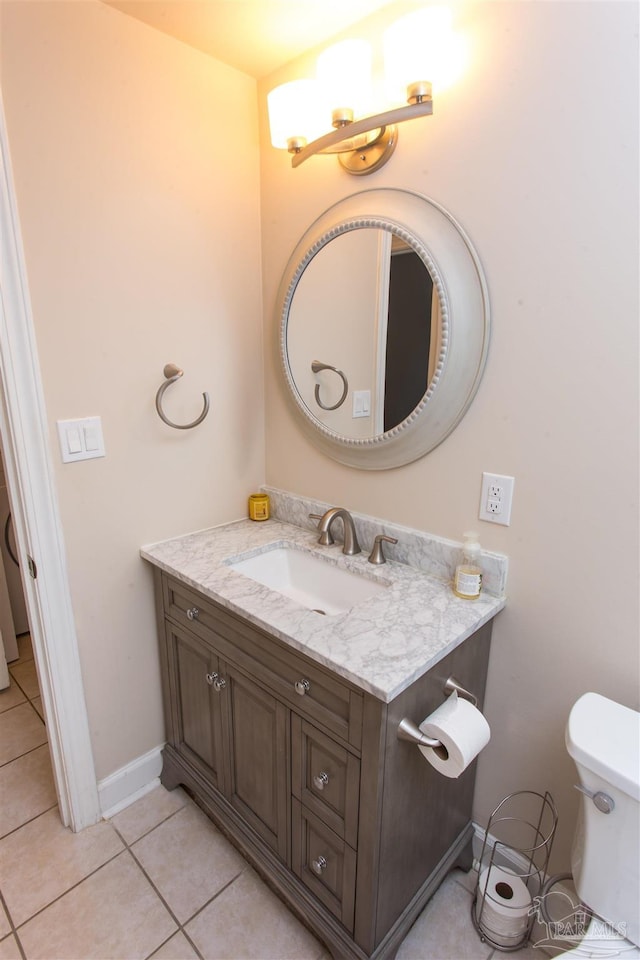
(361, 403)
(80, 439)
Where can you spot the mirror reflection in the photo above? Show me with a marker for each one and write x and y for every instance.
(363, 332)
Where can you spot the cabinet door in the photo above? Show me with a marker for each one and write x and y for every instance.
(197, 729)
(258, 757)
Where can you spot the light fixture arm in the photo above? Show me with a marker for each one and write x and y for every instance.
(331, 142)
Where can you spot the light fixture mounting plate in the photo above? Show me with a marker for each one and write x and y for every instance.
(373, 156)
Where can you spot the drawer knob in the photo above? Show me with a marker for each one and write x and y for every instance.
(319, 865)
(301, 687)
(193, 613)
(321, 780)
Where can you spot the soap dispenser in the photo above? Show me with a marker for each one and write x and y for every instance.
(467, 582)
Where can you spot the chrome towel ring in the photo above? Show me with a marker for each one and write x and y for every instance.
(316, 366)
(173, 373)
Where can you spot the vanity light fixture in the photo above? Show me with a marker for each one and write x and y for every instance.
(342, 90)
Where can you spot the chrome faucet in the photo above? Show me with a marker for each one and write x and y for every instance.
(351, 545)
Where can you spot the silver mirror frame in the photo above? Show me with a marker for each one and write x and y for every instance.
(457, 275)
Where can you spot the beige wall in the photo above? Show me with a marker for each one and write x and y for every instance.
(136, 170)
(535, 152)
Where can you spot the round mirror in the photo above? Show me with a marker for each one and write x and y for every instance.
(384, 328)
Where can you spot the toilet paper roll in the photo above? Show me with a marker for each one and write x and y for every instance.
(461, 729)
(502, 907)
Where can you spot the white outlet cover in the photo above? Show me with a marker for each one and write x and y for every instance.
(505, 502)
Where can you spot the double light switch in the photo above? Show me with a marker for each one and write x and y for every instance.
(81, 439)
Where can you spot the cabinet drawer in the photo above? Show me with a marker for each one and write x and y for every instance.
(188, 608)
(324, 863)
(313, 692)
(325, 778)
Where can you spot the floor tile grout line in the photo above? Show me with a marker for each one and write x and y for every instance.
(185, 935)
(27, 752)
(30, 702)
(72, 887)
(187, 938)
(205, 905)
(21, 704)
(7, 709)
(30, 820)
(166, 904)
(218, 893)
(13, 927)
(17, 682)
(148, 832)
(130, 845)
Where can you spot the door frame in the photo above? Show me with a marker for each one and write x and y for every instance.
(38, 528)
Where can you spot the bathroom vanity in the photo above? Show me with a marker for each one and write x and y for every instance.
(283, 724)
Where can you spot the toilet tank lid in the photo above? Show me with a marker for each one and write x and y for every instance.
(604, 736)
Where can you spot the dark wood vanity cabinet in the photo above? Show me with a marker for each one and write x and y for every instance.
(304, 771)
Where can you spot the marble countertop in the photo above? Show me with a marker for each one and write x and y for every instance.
(381, 645)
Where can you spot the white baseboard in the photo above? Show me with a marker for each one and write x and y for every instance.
(130, 782)
(507, 858)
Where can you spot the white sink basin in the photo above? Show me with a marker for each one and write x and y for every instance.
(308, 579)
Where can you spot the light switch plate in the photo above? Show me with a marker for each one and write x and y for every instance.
(361, 403)
(80, 439)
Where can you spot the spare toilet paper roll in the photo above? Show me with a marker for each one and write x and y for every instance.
(461, 729)
(503, 904)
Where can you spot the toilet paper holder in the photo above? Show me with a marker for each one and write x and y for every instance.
(408, 730)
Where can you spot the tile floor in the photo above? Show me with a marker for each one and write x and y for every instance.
(158, 880)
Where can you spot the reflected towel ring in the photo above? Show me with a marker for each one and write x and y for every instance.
(316, 366)
(173, 373)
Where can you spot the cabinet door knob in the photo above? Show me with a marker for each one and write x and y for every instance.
(219, 684)
(193, 613)
(211, 678)
(301, 687)
(319, 865)
(321, 780)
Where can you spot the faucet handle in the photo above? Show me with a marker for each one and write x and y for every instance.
(326, 537)
(376, 555)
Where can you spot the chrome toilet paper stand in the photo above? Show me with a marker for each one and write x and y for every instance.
(408, 730)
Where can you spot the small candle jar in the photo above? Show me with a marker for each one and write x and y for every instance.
(259, 506)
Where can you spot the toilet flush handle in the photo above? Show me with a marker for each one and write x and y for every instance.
(604, 803)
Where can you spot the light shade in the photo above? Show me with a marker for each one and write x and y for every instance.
(416, 51)
(343, 72)
(295, 113)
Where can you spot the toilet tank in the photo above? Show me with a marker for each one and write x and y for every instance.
(603, 738)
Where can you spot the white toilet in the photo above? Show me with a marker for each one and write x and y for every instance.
(603, 738)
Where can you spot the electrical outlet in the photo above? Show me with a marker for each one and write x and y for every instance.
(496, 498)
